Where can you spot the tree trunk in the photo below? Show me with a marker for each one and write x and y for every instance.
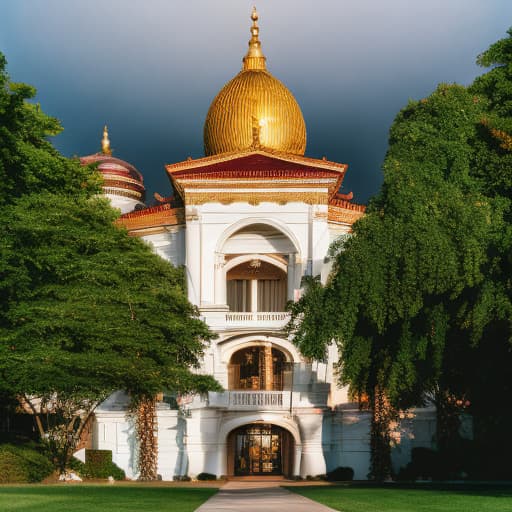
(448, 420)
(146, 424)
(380, 438)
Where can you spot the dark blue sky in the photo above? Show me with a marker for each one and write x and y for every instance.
(150, 68)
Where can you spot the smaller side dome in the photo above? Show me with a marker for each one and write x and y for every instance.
(123, 184)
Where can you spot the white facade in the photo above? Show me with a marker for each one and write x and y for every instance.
(327, 430)
(253, 219)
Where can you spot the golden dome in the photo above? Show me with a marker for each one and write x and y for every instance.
(254, 109)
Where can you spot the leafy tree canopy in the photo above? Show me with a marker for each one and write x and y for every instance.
(28, 161)
(84, 308)
(422, 289)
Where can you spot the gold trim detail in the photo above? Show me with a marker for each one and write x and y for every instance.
(152, 218)
(123, 192)
(344, 216)
(327, 183)
(255, 198)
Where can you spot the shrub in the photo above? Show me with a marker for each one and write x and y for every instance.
(22, 464)
(426, 464)
(206, 476)
(316, 478)
(181, 478)
(340, 474)
(98, 464)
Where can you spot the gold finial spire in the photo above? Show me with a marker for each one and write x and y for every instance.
(254, 59)
(105, 142)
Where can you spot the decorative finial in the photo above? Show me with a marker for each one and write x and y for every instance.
(254, 59)
(105, 142)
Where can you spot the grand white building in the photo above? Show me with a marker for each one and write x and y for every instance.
(247, 222)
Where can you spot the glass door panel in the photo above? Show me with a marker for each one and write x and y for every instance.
(258, 450)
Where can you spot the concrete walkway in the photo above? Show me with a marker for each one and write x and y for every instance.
(266, 496)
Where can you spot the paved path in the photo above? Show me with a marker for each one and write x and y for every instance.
(259, 497)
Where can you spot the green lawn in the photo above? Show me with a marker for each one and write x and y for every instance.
(378, 499)
(90, 498)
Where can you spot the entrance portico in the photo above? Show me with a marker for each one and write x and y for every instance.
(251, 436)
(260, 450)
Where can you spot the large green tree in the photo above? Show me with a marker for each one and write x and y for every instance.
(85, 309)
(419, 301)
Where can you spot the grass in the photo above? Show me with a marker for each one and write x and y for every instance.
(92, 498)
(411, 499)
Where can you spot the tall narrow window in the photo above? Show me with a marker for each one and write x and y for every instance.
(271, 294)
(239, 294)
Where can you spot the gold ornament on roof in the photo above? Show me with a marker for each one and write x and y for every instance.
(254, 110)
(254, 59)
(105, 142)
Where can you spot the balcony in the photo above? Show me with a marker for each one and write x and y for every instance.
(268, 400)
(220, 320)
(275, 320)
(250, 400)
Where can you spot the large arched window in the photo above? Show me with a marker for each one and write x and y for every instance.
(259, 368)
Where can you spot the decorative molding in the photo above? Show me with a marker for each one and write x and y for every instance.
(255, 198)
(226, 157)
(124, 192)
(155, 216)
(291, 182)
(344, 215)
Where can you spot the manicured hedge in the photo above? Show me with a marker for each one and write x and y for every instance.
(206, 476)
(98, 464)
(340, 474)
(22, 464)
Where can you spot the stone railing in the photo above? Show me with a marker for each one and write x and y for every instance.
(258, 318)
(251, 400)
(221, 320)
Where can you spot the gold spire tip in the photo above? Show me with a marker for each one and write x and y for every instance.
(254, 59)
(105, 142)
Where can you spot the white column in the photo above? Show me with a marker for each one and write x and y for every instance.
(297, 460)
(220, 279)
(254, 295)
(313, 459)
(290, 275)
(193, 256)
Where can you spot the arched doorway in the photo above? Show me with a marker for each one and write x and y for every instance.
(259, 368)
(260, 449)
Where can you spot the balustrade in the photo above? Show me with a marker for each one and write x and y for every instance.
(250, 400)
(257, 316)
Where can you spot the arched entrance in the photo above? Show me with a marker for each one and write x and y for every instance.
(260, 449)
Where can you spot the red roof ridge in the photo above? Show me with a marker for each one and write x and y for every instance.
(223, 157)
(337, 202)
(149, 210)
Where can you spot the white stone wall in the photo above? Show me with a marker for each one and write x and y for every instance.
(328, 430)
(125, 204)
(169, 245)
